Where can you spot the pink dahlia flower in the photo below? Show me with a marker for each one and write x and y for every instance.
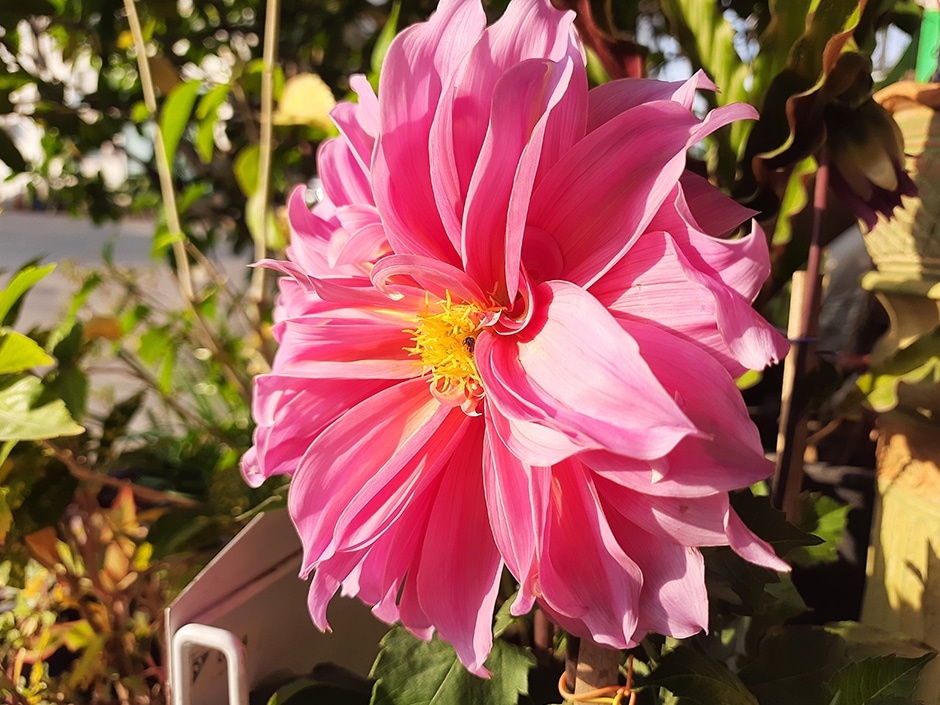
(508, 337)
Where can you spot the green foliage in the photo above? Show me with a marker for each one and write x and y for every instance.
(918, 364)
(825, 518)
(410, 671)
(688, 673)
(879, 680)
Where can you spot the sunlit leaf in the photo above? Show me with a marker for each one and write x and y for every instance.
(207, 113)
(824, 517)
(385, 38)
(409, 671)
(21, 282)
(246, 167)
(175, 115)
(862, 682)
(305, 100)
(19, 353)
(20, 421)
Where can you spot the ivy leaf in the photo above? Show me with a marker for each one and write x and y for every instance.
(409, 671)
(688, 673)
(20, 421)
(19, 353)
(876, 679)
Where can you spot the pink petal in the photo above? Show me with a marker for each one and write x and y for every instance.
(387, 428)
(574, 369)
(311, 348)
(460, 124)
(655, 274)
(673, 599)
(291, 412)
(361, 238)
(460, 565)
(588, 584)
(437, 278)
(517, 499)
(696, 217)
(382, 498)
(750, 547)
(602, 193)
(689, 521)
(523, 101)
(359, 122)
(725, 455)
(407, 102)
(343, 178)
(608, 100)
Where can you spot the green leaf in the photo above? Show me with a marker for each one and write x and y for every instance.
(254, 217)
(824, 517)
(246, 167)
(67, 326)
(20, 421)
(686, 672)
(19, 353)
(6, 514)
(409, 671)
(919, 362)
(871, 679)
(384, 40)
(175, 115)
(22, 281)
(770, 524)
(798, 659)
(10, 155)
(207, 113)
(308, 691)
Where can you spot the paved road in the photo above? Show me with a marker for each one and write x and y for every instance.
(77, 245)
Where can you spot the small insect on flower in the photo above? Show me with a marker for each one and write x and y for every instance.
(469, 343)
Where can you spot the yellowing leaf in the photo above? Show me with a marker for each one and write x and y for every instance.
(306, 100)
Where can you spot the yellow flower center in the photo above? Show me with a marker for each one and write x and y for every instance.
(445, 338)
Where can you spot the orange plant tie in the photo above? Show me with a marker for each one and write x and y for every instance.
(609, 695)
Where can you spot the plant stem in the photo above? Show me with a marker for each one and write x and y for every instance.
(271, 25)
(163, 163)
(80, 472)
(791, 439)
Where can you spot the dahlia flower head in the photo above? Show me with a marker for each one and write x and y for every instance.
(508, 338)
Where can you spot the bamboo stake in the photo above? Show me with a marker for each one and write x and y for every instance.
(271, 26)
(800, 362)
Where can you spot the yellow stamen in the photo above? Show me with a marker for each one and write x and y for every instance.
(445, 341)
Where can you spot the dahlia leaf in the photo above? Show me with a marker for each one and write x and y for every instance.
(879, 679)
(799, 659)
(409, 671)
(770, 524)
(689, 673)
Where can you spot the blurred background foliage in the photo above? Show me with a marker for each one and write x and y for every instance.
(107, 510)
